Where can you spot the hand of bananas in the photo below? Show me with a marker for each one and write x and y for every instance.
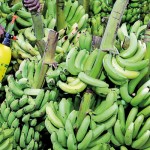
(74, 110)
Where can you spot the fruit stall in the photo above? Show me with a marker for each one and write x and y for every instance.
(74, 74)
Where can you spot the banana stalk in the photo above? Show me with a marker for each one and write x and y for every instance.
(60, 15)
(107, 44)
(48, 57)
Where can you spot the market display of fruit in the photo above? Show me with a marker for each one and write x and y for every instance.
(75, 75)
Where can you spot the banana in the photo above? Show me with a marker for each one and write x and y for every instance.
(131, 116)
(98, 131)
(135, 27)
(6, 113)
(129, 134)
(118, 132)
(13, 86)
(106, 114)
(121, 117)
(62, 139)
(144, 128)
(123, 148)
(86, 141)
(70, 60)
(45, 99)
(126, 73)
(78, 14)
(91, 81)
(110, 122)
(30, 135)
(15, 123)
(83, 128)
(139, 55)
(23, 14)
(137, 125)
(145, 85)
(14, 105)
(90, 61)
(30, 145)
(145, 112)
(22, 140)
(71, 143)
(107, 63)
(17, 133)
(53, 117)
(140, 30)
(23, 100)
(73, 116)
(113, 138)
(132, 47)
(105, 138)
(67, 8)
(72, 11)
(71, 89)
(29, 35)
(139, 97)
(141, 141)
(11, 118)
(145, 103)
(5, 144)
(25, 130)
(69, 128)
(146, 145)
(135, 66)
(104, 105)
(133, 83)
(88, 42)
(83, 21)
(79, 59)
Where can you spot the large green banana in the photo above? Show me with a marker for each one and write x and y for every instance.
(86, 141)
(131, 116)
(107, 63)
(127, 73)
(118, 132)
(71, 143)
(53, 117)
(141, 141)
(137, 125)
(135, 66)
(106, 114)
(83, 129)
(129, 134)
(132, 47)
(71, 89)
(139, 55)
(139, 97)
(62, 139)
(91, 81)
(70, 61)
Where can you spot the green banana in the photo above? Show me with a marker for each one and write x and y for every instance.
(132, 47)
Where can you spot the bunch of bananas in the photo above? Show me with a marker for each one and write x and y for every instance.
(132, 129)
(23, 16)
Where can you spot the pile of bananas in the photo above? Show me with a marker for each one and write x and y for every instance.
(80, 105)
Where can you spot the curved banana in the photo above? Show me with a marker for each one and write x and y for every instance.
(132, 47)
(71, 143)
(91, 81)
(70, 61)
(83, 128)
(71, 89)
(135, 66)
(106, 114)
(86, 141)
(53, 117)
(127, 73)
(107, 63)
(137, 125)
(135, 26)
(141, 141)
(129, 134)
(62, 139)
(139, 97)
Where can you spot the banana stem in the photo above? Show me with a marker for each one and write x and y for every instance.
(84, 107)
(48, 57)
(38, 31)
(60, 14)
(108, 40)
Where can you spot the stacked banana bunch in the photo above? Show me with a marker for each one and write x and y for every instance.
(69, 132)
(23, 16)
(131, 129)
(23, 110)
